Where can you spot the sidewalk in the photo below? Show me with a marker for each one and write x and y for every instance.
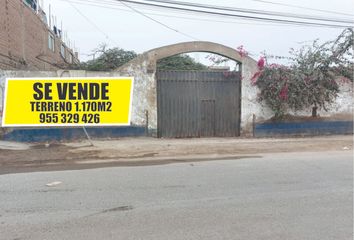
(148, 147)
(147, 151)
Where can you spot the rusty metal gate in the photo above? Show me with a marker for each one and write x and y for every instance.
(198, 104)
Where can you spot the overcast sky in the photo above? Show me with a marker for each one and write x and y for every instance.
(127, 29)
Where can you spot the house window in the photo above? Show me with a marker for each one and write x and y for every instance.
(32, 4)
(70, 58)
(62, 51)
(51, 42)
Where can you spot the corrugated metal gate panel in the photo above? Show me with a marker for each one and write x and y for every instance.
(207, 126)
(198, 103)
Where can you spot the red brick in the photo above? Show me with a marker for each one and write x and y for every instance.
(24, 40)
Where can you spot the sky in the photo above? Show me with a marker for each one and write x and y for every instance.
(118, 26)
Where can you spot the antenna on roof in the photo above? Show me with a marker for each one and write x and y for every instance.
(66, 37)
(37, 6)
(50, 17)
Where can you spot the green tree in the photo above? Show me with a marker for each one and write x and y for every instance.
(310, 81)
(107, 60)
(180, 62)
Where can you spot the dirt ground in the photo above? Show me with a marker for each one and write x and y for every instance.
(147, 151)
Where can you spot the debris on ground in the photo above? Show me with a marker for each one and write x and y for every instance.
(53, 184)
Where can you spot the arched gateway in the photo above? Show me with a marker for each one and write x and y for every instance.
(189, 103)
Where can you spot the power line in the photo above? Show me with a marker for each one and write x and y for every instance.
(238, 16)
(306, 8)
(220, 14)
(252, 11)
(91, 22)
(105, 6)
(109, 6)
(162, 24)
(137, 11)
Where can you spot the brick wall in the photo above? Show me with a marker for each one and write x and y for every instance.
(24, 40)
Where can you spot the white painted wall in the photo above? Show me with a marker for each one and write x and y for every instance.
(342, 108)
(144, 98)
(249, 103)
(143, 85)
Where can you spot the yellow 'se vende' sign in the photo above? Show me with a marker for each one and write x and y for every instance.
(67, 101)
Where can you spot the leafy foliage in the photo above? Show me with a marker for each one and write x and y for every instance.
(180, 62)
(108, 59)
(310, 81)
(218, 59)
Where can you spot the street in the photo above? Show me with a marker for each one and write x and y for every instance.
(176, 120)
(269, 196)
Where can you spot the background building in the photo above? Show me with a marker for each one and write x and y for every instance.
(31, 40)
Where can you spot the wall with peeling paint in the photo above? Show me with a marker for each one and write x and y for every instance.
(143, 85)
(143, 69)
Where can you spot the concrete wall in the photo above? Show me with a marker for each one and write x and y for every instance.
(24, 40)
(70, 134)
(305, 128)
(341, 109)
(249, 103)
(143, 69)
(144, 90)
(141, 88)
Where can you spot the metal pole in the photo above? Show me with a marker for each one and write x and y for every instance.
(50, 17)
(146, 123)
(88, 136)
(253, 124)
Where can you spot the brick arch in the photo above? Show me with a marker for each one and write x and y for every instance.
(195, 46)
(143, 69)
(147, 60)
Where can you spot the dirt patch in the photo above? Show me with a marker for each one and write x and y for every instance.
(47, 145)
(41, 154)
(214, 147)
(151, 151)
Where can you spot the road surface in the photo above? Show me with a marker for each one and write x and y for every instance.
(271, 196)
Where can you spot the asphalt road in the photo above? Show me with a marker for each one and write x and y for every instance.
(275, 196)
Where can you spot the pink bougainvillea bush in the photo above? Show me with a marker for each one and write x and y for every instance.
(310, 81)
